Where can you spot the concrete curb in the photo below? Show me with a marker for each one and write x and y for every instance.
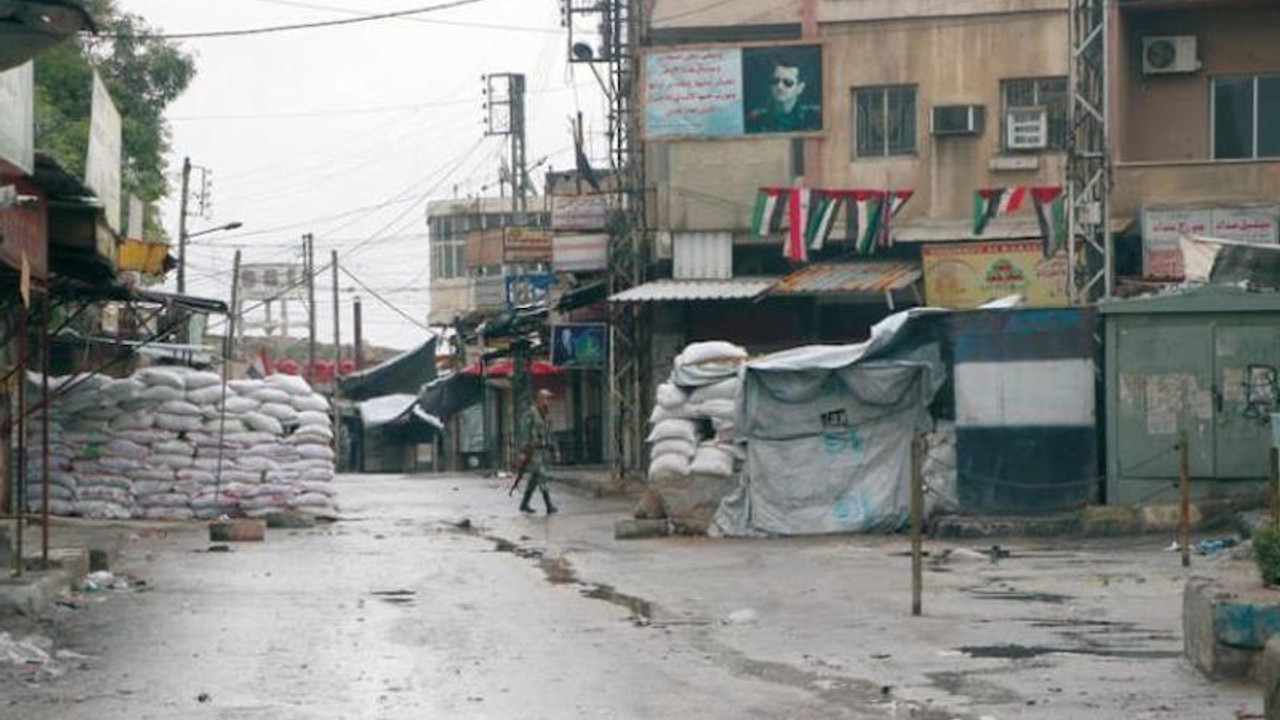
(595, 486)
(1092, 521)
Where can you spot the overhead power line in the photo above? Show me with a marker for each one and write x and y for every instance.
(457, 23)
(297, 26)
(383, 300)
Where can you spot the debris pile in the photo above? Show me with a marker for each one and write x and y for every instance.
(693, 419)
(172, 443)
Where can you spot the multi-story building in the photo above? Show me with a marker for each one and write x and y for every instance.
(1195, 127)
(467, 284)
(939, 100)
(942, 100)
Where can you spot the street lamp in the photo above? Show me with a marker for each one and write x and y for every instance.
(183, 237)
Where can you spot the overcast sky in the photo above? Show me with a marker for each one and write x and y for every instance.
(347, 131)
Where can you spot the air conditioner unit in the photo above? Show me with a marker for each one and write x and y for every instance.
(958, 120)
(1027, 128)
(1170, 54)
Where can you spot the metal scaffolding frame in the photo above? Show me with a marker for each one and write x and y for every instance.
(1090, 251)
(614, 29)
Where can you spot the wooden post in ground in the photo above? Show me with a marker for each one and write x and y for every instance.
(1184, 500)
(917, 524)
(1275, 488)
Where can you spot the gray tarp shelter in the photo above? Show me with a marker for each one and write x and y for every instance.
(827, 432)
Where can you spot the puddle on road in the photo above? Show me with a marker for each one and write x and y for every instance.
(559, 571)
(395, 597)
(1022, 652)
(1042, 597)
(641, 609)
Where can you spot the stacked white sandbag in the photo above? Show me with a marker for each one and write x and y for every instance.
(701, 393)
(175, 444)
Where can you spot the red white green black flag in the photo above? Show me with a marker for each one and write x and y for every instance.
(991, 203)
(770, 207)
(1051, 214)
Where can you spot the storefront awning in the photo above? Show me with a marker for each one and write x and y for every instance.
(695, 290)
(503, 369)
(849, 278)
(405, 373)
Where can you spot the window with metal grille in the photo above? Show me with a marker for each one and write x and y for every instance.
(884, 120)
(1049, 93)
(1246, 117)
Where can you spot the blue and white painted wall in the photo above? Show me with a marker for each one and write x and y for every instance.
(1026, 388)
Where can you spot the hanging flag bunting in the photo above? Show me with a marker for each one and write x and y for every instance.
(766, 218)
(865, 208)
(794, 248)
(1051, 214)
(894, 201)
(822, 218)
(991, 203)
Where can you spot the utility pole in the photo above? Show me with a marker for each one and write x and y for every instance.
(610, 33)
(309, 247)
(234, 316)
(359, 333)
(182, 226)
(1090, 251)
(337, 336)
(337, 360)
(505, 117)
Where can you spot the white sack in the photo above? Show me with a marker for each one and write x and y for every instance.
(674, 429)
(238, 405)
(202, 379)
(178, 423)
(313, 401)
(280, 411)
(673, 446)
(670, 397)
(312, 417)
(263, 423)
(667, 466)
(270, 394)
(291, 384)
(206, 395)
(161, 394)
(713, 460)
(180, 407)
(160, 377)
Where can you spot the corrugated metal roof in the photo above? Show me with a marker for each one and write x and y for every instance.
(851, 278)
(676, 290)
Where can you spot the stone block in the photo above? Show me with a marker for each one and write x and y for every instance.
(1167, 517)
(969, 527)
(1226, 623)
(291, 520)
(1109, 520)
(1271, 679)
(238, 531)
(631, 529)
(74, 560)
(691, 501)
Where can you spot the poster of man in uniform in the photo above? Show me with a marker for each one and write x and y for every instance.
(782, 89)
(730, 92)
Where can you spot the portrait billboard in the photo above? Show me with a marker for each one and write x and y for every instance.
(584, 346)
(730, 92)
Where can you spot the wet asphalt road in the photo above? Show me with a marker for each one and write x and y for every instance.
(394, 613)
(400, 612)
